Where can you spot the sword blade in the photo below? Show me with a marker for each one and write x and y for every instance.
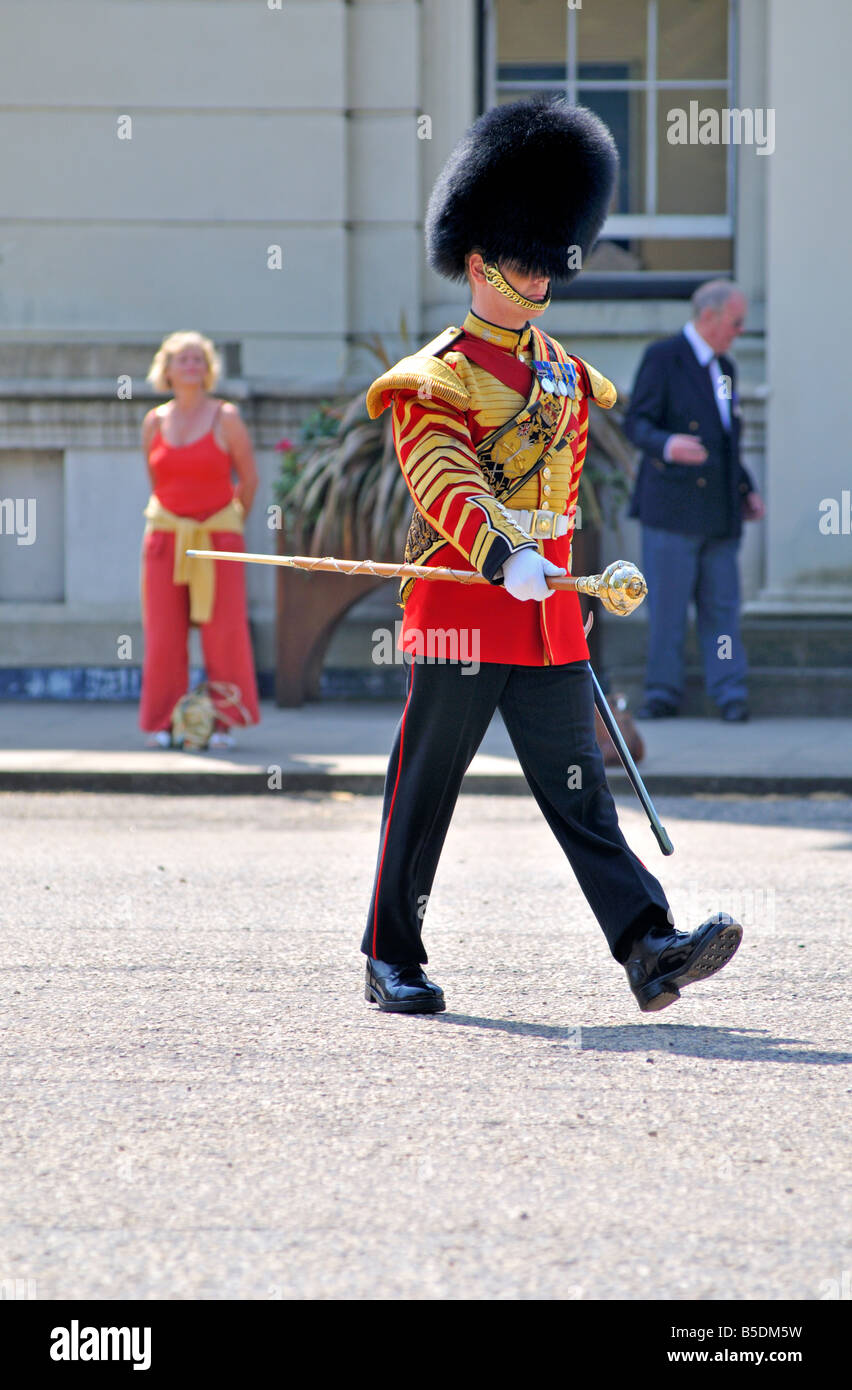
(380, 570)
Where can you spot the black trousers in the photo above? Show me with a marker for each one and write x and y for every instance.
(549, 714)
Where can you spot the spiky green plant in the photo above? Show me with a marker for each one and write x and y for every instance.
(342, 491)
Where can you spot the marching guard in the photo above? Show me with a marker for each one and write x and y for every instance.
(490, 424)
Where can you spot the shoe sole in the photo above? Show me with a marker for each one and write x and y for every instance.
(434, 1005)
(711, 957)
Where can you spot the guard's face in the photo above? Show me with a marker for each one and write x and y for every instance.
(530, 284)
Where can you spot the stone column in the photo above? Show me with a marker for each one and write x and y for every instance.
(809, 311)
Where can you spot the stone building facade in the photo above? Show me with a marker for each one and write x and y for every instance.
(259, 170)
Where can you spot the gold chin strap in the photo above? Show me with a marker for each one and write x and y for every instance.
(493, 276)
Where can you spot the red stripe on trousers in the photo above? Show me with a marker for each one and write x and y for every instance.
(390, 811)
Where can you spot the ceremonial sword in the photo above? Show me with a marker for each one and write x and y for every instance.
(620, 588)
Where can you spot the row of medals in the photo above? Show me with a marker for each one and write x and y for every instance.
(556, 377)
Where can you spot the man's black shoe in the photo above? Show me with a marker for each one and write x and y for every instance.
(657, 709)
(662, 961)
(402, 989)
(736, 712)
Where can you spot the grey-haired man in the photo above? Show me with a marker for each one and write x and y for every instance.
(691, 496)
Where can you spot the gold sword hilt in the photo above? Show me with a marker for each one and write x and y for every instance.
(620, 588)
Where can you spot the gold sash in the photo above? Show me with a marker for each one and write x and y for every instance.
(191, 534)
(538, 429)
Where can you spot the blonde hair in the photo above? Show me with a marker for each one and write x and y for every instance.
(159, 368)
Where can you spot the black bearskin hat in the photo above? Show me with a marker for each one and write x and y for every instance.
(526, 183)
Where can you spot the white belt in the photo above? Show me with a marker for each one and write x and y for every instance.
(541, 524)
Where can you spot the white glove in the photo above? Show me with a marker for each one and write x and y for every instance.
(523, 575)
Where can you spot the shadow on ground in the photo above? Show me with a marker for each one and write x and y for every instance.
(727, 1044)
(822, 811)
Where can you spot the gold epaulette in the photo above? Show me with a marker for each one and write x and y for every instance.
(423, 372)
(603, 390)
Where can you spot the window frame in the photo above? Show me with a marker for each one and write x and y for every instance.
(649, 223)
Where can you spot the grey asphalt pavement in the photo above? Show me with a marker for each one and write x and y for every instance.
(197, 1103)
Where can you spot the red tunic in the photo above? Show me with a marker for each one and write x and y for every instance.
(486, 622)
(492, 625)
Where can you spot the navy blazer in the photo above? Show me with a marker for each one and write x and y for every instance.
(673, 394)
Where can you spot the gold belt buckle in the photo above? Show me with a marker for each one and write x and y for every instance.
(544, 524)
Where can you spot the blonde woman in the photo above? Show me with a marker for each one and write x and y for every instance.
(203, 481)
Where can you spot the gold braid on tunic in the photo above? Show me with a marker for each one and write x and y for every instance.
(519, 432)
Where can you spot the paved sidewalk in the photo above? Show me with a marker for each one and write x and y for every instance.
(336, 745)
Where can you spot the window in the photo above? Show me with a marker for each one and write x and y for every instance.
(634, 62)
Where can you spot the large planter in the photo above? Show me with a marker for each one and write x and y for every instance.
(308, 609)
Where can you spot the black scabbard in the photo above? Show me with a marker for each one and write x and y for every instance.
(630, 767)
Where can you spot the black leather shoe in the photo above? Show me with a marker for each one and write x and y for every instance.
(664, 960)
(402, 989)
(657, 709)
(736, 712)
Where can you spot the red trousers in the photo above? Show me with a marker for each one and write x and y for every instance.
(225, 640)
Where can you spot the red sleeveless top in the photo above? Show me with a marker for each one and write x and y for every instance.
(191, 479)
